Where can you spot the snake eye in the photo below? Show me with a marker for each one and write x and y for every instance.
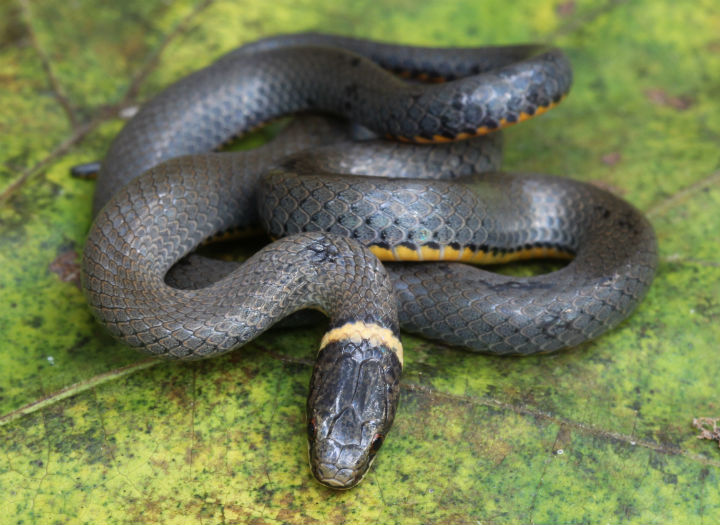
(311, 428)
(376, 443)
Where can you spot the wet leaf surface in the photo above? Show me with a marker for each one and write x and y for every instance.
(92, 432)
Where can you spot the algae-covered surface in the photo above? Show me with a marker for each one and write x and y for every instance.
(93, 432)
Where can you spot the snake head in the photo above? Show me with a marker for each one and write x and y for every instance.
(354, 392)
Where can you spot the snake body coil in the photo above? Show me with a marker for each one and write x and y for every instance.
(333, 207)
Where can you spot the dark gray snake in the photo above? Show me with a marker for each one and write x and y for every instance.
(186, 194)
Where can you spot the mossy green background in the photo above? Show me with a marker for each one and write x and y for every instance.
(92, 432)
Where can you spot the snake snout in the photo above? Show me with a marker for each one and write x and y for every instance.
(337, 466)
(342, 467)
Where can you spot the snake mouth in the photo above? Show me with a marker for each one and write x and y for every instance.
(339, 478)
(338, 466)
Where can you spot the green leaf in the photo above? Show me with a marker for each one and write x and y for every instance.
(92, 432)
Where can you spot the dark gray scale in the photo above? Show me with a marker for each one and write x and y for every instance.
(406, 209)
(613, 244)
(245, 89)
(416, 61)
(615, 259)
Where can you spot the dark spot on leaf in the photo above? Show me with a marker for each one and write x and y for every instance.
(661, 98)
(611, 158)
(12, 28)
(67, 267)
(714, 46)
(670, 478)
(565, 8)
